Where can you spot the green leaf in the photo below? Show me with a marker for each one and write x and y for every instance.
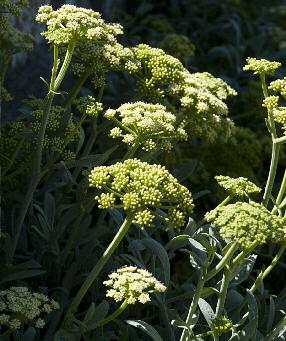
(146, 328)
(207, 311)
(29, 334)
(95, 314)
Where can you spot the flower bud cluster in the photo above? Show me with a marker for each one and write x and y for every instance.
(132, 285)
(221, 325)
(158, 70)
(202, 105)
(237, 186)
(139, 188)
(247, 223)
(177, 45)
(279, 85)
(11, 7)
(145, 124)
(261, 66)
(89, 106)
(279, 113)
(19, 305)
(75, 24)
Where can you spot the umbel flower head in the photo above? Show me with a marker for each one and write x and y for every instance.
(247, 223)
(279, 85)
(237, 186)
(203, 109)
(148, 125)
(139, 188)
(158, 70)
(88, 106)
(261, 66)
(19, 305)
(70, 23)
(132, 285)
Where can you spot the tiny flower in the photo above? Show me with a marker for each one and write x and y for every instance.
(271, 102)
(132, 285)
(237, 186)
(261, 66)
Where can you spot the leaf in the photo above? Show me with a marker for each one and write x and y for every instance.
(49, 209)
(207, 311)
(199, 253)
(146, 328)
(243, 271)
(177, 242)
(95, 314)
(161, 253)
(62, 335)
(29, 334)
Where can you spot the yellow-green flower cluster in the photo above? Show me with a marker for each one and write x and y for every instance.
(158, 70)
(75, 24)
(19, 305)
(58, 132)
(144, 124)
(178, 45)
(221, 325)
(247, 223)
(12, 7)
(132, 285)
(279, 85)
(88, 106)
(139, 188)
(237, 186)
(279, 112)
(202, 105)
(261, 66)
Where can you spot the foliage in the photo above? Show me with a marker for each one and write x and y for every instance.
(86, 205)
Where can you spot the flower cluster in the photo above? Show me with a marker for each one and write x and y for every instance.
(88, 106)
(279, 112)
(261, 66)
(75, 24)
(202, 105)
(178, 45)
(279, 85)
(247, 223)
(158, 70)
(237, 186)
(12, 7)
(139, 188)
(149, 125)
(132, 285)
(58, 133)
(221, 325)
(19, 305)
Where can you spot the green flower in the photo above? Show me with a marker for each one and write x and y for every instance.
(19, 305)
(138, 188)
(247, 223)
(279, 85)
(88, 106)
(132, 285)
(261, 66)
(237, 186)
(148, 125)
(75, 24)
(221, 325)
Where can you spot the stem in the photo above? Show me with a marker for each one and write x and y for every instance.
(275, 332)
(98, 267)
(223, 292)
(280, 194)
(36, 172)
(280, 139)
(266, 272)
(131, 151)
(275, 149)
(190, 318)
(76, 89)
(112, 316)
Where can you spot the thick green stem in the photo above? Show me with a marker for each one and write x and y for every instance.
(186, 334)
(223, 292)
(113, 316)
(37, 158)
(280, 194)
(275, 332)
(97, 268)
(275, 148)
(131, 151)
(267, 271)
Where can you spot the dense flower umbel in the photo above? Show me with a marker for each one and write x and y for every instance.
(140, 188)
(148, 125)
(132, 285)
(221, 325)
(237, 186)
(158, 70)
(279, 113)
(75, 24)
(202, 105)
(261, 66)
(279, 85)
(88, 106)
(247, 223)
(18, 305)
